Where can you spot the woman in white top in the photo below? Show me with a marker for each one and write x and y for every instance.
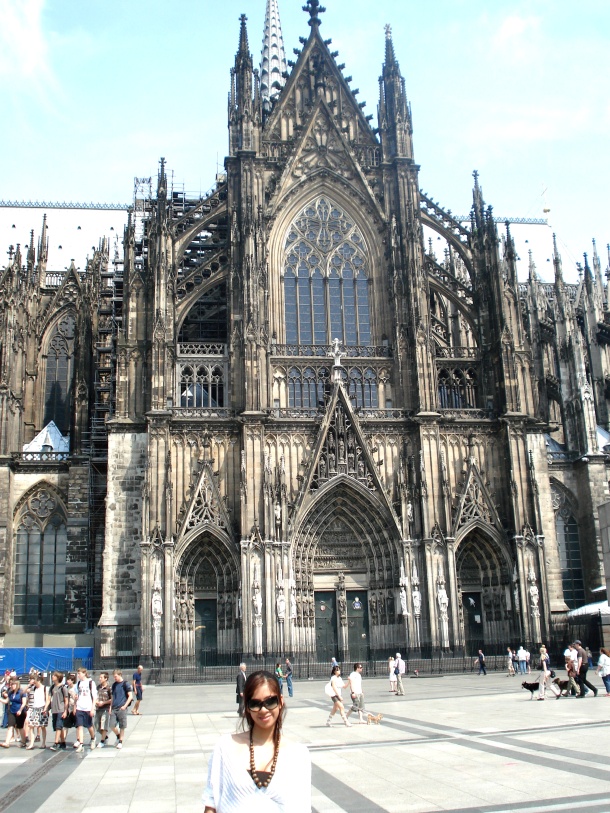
(38, 717)
(336, 681)
(257, 770)
(603, 668)
(392, 674)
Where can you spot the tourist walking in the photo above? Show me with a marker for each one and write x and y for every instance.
(15, 701)
(357, 695)
(583, 668)
(392, 673)
(136, 685)
(59, 709)
(336, 686)
(510, 665)
(399, 670)
(240, 686)
(103, 708)
(122, 696)
(480, 659)
(280, 676)
(288, 674)
(85, 708)
(257, 769)
(545, 673)
(38, 713)
(603, 668)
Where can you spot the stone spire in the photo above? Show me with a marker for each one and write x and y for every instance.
(393, 111)
(273, 60)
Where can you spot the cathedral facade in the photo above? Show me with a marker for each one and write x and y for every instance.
(285, 422)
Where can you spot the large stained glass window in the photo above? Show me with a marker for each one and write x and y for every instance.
(59, 375)
(40, 562)
(326, 278)
(568, 542)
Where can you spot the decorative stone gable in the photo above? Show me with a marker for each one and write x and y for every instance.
(207, 506)
(474, 502)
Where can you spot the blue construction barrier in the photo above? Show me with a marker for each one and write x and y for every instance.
(64, 659)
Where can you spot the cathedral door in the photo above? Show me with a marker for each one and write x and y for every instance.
(326, 625)
(206, 635)
(357, 625)
(473, 623)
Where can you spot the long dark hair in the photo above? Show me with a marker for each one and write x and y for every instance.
(254, 681)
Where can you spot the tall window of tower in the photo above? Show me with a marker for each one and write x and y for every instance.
(568, 542)
(40, 562)
(59, 372)
(207, 319)
(326, 278)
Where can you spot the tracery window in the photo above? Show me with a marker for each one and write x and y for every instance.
(59, 373)
(40, 562)
(207, 319)
(326, 278)
(307, 388)
(568, 541)
(202, 385)
(457, 388)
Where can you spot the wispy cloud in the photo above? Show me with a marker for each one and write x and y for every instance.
(23, 47)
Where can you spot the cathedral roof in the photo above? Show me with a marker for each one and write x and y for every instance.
(48, 439)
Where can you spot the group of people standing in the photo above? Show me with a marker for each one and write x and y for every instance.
(518, 661)
(72, 701)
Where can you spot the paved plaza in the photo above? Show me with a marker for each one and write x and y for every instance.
(455, 743)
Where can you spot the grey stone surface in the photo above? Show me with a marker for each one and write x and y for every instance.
(460, 744)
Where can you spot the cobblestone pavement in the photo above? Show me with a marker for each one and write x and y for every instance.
(455, 743)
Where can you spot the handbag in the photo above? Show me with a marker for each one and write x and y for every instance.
(328, 690)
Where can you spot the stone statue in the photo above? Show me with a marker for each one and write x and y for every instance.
(280, 604)
(190, 609)
(157, 615)
(416, 596)
(336, 352)
(442, 598)
(257, 601)
(534, 598)
(403, 600)
(293, 605)
(277, 510)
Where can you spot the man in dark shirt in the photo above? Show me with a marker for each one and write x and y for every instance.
(136, 685)
(288, 676)
(121, 698)
(102, 709)
(239, 688)
(583, 668)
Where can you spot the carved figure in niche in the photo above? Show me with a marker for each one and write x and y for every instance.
(157, 615)
(534, 598)
(312, 607)
(360, 469)
(331, 461)
(257, 601)
(416, 596)
(190, 609)
(342, 608)
(373, 605)
(280, 604)
(341, 579)
(299, 602)
(156, 572)
(182, 611)
(322, 467)
(403, 601)
(442, 598)
(341, 449)
(381, 605)
(293, 605)
(277, 510)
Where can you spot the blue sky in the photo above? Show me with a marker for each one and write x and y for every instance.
(93, 93)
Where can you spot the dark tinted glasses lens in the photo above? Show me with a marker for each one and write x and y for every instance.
(269, 703)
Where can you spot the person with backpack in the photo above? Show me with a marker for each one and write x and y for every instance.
(102, 709)
(85, 708)
(59, 709)
(399, 671)
(122, 695)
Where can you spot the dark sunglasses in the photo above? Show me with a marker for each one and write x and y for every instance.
(269, 703)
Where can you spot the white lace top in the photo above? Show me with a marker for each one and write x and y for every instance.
(230, 788)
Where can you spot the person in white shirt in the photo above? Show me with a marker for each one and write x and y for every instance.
(85, 708)
(355, 682)
(522, 658)
(399, 669)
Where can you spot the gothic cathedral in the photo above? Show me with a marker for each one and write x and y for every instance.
(285, 421)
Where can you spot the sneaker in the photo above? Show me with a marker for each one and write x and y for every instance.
(92, 745)
(78, 746)
(328, 723)
(119, 745)
(55, 747)
(101, 744)
(63, 746)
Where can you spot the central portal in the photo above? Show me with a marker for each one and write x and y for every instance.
(334, 640)
(206, 631)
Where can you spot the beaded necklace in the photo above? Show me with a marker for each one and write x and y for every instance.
(256, 778)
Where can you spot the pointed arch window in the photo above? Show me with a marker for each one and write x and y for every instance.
(568, 542)
(59, 374)
(326, 278)
(41, 542)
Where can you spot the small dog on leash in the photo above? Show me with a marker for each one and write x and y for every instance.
(563, 686)
(374, 718)
(530, 687)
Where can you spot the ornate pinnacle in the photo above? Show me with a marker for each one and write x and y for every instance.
(314, 8)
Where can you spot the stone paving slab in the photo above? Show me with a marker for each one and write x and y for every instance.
(467, 743)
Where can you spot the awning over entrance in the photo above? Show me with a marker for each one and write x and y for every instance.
(596, 607)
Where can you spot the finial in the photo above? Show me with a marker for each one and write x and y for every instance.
(388, 31)
(390, 57)
(314, 8)
(243, 36)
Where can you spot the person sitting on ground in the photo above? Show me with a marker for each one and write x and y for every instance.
(257, 769)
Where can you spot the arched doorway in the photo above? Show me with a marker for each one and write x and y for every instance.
(208, 602)
(347, 570)
(484, 573)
